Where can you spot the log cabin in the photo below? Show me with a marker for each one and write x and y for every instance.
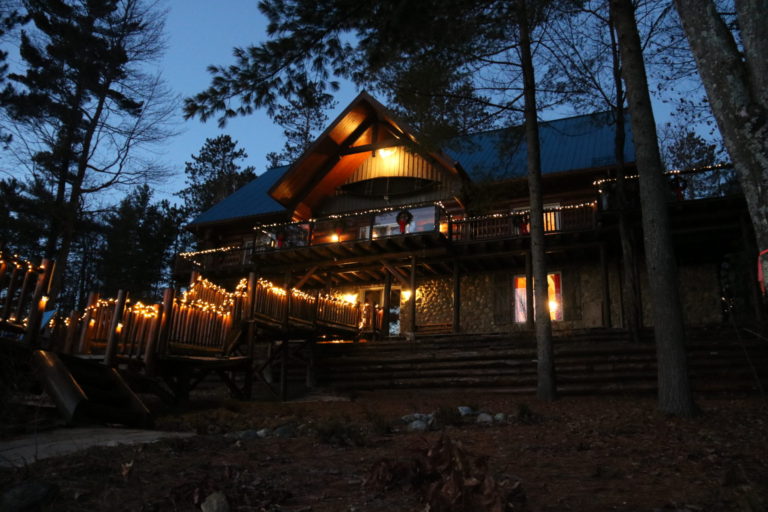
(436, 240)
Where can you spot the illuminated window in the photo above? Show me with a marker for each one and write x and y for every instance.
(554, 282)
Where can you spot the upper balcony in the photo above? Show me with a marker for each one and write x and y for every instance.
(380, 233)
(700, 199)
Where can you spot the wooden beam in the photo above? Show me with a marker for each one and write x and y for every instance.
(400, 277)
(329, 164)
(310, 273)
(330, 262)
(370, 147)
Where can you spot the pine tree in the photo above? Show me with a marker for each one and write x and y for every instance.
(302, 118)
(136, 253)
(83, 104)
(213, 174)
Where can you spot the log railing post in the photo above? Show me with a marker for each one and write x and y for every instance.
(85, 327)
(69, 340)
(166, 319)
(150, 351)
(115, 328)
(39, 300)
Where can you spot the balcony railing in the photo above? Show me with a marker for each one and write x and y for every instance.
(377, 225)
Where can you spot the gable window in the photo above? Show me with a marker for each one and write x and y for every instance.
(554, 282)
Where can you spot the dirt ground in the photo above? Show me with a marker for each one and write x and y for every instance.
(580, 454)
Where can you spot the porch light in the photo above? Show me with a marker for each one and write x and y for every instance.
(350, 297)
(386, 152)
(406, 295)
(334, 237)
(553, 307)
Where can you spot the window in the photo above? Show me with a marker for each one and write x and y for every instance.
(554, 282)
(385, 224)
(521, 219)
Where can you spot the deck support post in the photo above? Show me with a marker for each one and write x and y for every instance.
(387, 305)
(529, 315)
(113, 337)
(606, 284)
(412, 300)
(456, 296)
(286, 336)
(42, 287)
(85, 327)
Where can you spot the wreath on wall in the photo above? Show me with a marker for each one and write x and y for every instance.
(403, 219)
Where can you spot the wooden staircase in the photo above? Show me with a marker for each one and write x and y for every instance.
(87, 391)
(586, 361)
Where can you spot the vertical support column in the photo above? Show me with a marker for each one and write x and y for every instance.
(150, 351)
(166, 321)
(387, 304)
(113, 338)
(412, 301)
(39, 300)
(83, 347)
(69, 340)
(606, 285)
(284, 344)
(529, 314)
(456, 296)
(251, 298)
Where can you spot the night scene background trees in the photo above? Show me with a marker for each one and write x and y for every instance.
(86, 99)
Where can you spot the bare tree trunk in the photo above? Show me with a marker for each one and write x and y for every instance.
(674, 388)
(546, 387)
(629, 290)
(736, 87)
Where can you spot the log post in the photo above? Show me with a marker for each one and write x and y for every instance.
(412, 302)
(166, 321)
(456, 297)
(606, 285)
(113, 338)
(69, 340)
(387, 304)
(85, 328)
(251, 297)
(39, 300)
(150, 351)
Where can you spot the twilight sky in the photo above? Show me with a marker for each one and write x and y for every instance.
(200, 33)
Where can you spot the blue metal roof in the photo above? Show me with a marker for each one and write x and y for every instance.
(573, 143)
(252, 199)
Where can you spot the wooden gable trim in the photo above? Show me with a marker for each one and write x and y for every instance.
(334, 154)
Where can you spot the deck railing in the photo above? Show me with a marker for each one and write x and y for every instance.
(204, 319)
(573, 217)
(23, 289)
(565, 217)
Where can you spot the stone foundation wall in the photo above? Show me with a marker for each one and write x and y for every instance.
(582, 293)
(434, 302)
(699, 287)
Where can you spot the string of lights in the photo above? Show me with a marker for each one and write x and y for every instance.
(672, 172)
(336, 216)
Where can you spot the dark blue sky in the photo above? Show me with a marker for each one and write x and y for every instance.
(204, 32)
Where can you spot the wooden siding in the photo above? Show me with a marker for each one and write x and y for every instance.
(400, 164)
